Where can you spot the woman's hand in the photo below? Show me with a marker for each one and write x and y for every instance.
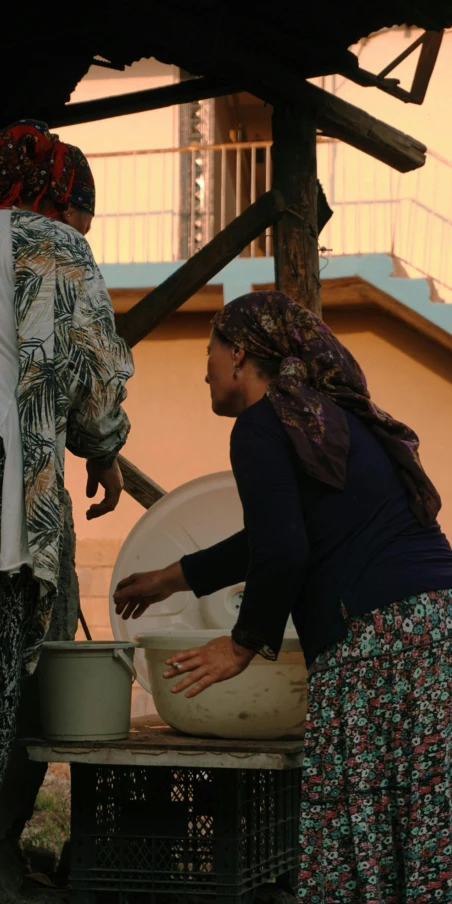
(111, 481)
(136, 593)
(218, 660)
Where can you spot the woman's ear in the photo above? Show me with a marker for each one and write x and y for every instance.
(238, 355)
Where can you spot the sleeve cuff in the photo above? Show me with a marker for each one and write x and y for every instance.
(104, 463)
(191, 572)
(252, 641)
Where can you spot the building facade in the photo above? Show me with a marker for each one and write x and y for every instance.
(168, 180)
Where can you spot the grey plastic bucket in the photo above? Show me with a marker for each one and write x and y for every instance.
(86, 690)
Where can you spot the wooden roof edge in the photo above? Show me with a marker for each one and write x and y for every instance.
(350, 292)
(338, 293)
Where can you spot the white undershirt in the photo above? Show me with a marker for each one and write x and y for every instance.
(13, 535)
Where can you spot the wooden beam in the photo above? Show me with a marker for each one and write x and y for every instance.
(295, 176)
(203, 266)
(335, 117)
(139, 101)
(339, 119)
(138, 485)
(349, 293)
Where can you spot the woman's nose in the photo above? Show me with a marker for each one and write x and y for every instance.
(206, 378)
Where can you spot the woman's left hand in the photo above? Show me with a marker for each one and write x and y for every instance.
(112, 482)
(218, 660)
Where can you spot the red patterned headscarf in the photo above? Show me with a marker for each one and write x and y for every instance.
(318, 379)
(35, 164)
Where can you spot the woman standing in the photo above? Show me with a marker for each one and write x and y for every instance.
(341, 533)
(63, 372)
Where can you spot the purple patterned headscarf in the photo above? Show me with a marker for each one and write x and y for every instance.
(318, 379)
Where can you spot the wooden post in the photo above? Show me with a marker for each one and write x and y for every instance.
(295, 176)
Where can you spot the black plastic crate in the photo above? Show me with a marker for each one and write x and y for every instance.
(161, 835)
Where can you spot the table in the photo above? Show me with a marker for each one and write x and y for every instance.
(152, 743)
(164, 818)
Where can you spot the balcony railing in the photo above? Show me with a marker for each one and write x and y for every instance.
(163, 205)
(379, 210)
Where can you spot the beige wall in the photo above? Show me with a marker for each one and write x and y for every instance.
(137, 131)
(131, 190)
(175, 437)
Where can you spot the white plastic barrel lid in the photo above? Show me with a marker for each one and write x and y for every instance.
(194, 516)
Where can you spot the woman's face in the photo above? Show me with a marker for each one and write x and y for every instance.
(224, 389)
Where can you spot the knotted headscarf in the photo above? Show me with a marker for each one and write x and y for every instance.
(35, 164)
(318, 379)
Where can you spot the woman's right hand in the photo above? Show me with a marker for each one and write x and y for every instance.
(136, 593)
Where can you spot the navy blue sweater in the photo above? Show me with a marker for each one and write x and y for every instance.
(307, 547)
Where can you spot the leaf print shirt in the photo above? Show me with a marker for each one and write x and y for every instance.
(72, 370)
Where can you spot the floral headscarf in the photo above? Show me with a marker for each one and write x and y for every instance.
(35, 163)
(319, 378)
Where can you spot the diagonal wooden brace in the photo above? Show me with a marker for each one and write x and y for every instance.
(138, 485)
(196, 272)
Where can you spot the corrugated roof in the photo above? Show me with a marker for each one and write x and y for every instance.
(46, 50)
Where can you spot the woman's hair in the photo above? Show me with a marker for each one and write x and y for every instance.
(266, 367)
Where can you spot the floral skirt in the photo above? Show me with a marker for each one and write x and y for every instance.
(18, 594)
(18, 598)
(376, 811)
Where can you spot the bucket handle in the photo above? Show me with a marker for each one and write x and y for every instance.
(126, 661)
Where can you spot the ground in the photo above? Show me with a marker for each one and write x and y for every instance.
(50, 826)
(29, 876)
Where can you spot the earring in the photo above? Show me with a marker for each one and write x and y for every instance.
(235, 375)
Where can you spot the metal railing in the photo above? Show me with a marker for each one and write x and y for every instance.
(377, 210)
(153, 205)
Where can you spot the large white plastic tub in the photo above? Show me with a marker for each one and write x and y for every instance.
(192, 517)
(85, 690)
(268, 700)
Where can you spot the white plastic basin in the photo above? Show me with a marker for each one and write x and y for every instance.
(192, 517)
(268, 700)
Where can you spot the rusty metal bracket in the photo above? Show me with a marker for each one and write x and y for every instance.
(430, 43)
